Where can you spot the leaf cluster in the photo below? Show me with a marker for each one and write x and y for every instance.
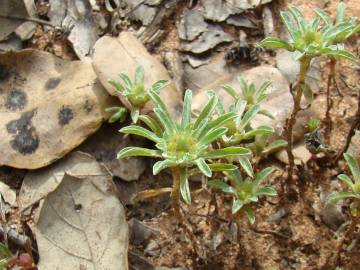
(318, 37)
(352, 185)
(245, 191)
(135, 93)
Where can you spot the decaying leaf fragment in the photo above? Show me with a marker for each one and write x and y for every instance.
(81, 224)
(49, 106)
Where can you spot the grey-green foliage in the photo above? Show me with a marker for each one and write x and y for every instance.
(314, 38)
(245, 191)
(352, 185)
(186, 145)
(240, 130)
(135, 92)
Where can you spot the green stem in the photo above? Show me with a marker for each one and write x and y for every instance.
(175, 194)
(304, 67)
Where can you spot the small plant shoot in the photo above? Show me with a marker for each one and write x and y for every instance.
(186, 145)
(135, 93)
(245, 191)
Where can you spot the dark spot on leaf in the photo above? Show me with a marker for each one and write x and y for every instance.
(52, 83)
(16, 100)
(25, 139)
(65, 115)
(4, 73)
(88, 106)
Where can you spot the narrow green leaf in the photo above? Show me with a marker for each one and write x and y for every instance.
(216, 183)
(140, 131)
(340, 12)
(227, 152)
(118, 86)
(353, 165)
(139, 75)
(160, 105)
(215, 167)
(235, 177)
(289, 24)
(338, 196)
(262, 89)
(186, 114)
(152, 124)
(299, 17)
(272, 42)
(231, 91)
(119, 116)
(323, 15)
(266, 191)
(261, 176)
(184, 187)
(138, 151)
(165, 120)
(246, 165)
(156, 87)
(203, 167)
(250, 214)
(274, 146)
(219, 106)
(160, 165)
(126, 79)
(213, 135)
(248, 116)
(266, 113)
(222, 120)
(236, 206)
(206, 112)
(256, 131)
(346, 180)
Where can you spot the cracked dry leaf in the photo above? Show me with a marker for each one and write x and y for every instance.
(209, 39)
(124, 54)
(9, 12)
(49, 106)
(192, 24)
(82, 223)
(77, 16)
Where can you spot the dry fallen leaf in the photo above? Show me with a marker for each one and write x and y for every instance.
(49, 106)
(81, 224)
(125, 54)
(10, 12)
(77, 16)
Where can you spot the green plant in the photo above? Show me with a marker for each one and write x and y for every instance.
(252, 95)
(307, 40)
(352, 186)
(346, 27)
(135, 93)
(313, 124)
(184, 146)
(244, 191)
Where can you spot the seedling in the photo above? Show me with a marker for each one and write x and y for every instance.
(184, 146)
(135, 93)
(352, 186)
(246, 107)
(307, 40)
(245, 192)
(346, 26)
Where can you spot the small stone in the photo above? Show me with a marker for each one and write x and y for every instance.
(192, 24)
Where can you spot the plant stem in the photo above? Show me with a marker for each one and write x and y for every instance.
(304, 67)
(355, 125)
(175, 194)
(329, 103)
